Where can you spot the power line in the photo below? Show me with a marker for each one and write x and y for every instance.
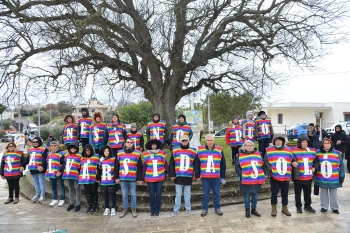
(342, 72)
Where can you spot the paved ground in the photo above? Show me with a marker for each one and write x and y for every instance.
(29, 217)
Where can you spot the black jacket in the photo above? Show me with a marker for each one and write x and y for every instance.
(339, 136)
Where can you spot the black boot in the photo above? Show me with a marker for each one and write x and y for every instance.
(255, 212)
(247, 212)
(89, 201)
(94, 204)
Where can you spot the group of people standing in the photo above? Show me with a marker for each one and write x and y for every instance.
(301, 164)
(113, 158)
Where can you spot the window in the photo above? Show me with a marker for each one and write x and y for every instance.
(93, 110)
(280, 118)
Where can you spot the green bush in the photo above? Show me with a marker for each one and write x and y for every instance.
(2, 133)
(56, 131)
(44, 118)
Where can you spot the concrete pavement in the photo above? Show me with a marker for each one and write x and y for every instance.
(28, 217)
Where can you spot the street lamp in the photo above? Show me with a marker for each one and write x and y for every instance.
(38, 114)
(317, 114)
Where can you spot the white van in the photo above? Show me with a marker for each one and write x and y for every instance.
(344, 124)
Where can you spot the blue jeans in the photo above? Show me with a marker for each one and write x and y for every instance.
(187, 196)
(247, 199)
(53, 183)
(155, 196)
(126, 187)
(39, 184)
(213, 184)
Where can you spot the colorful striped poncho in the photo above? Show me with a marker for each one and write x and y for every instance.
(264, 127)
(155, 166)
(35, 157)
(115, 135)
(70, 133)
(84, 126)
(53, 164)
(249, 130)
(136, 137)
(327, 174)
(210, 161)
(128, 165)
(71, 170)
(236, 134)
(251, 165)
(12, 164)
(184, 161)
(281, 163)
(178, 131)
(305, 160)
(88, 169)
(156, 130)
(97, 133)
(107, 175)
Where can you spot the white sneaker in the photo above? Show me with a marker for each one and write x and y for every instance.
(60, 203)
(41, 199)
(107, 211)
(35, 198)
(53, 203)
(112, 212)
(190, 212)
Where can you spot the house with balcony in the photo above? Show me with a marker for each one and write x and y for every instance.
(93, 105)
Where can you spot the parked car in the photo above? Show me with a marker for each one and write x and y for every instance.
(7, 138)
(296, 130)
(344, 124)
(221, 133)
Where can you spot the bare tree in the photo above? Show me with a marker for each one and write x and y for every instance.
(168, 48)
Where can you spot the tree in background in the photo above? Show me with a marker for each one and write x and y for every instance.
(139, 113)
(64, 107)
(225, 105)
(168, 49)
(44, 118)
(51, 106)
(2, 110)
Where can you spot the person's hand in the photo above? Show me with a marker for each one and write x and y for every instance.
(40, 169)
(117, 181)
(97, 181)
(58, 173)
(313, 169)
(21, 169)
(139, 182)
(172, 178)
(198, 179)
(341, 180)
(295, 164)
(338, 142)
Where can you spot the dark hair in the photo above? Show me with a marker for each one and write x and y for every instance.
(90, 148)
(102, 150)
(311, 124)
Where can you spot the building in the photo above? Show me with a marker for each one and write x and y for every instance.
(285, 115)
(93, 106)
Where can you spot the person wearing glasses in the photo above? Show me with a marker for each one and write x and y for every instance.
(36, 162)
(330, 175)
(154, 170)
(10, 170)
(210, 168)
(181, 172)
(128, 174)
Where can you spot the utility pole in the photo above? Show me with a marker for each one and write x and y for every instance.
(19, 98)
(208, 114)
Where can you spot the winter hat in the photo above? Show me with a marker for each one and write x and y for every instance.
(261, 112)
(156, 114)
(97, 115)
(133, 125)
(183, 116)
(235, 117)
(184, 137)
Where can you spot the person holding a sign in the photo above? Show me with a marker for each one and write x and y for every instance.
(181, 172)
(154, 170)
(210, 168)
(128, 174)
(36, 161)
(249, 169)
(303, 173)
(181, 127)
(278, 161)
(329, 175)
(156, 129)
(263, 131)
(10, 170)
(234, 137)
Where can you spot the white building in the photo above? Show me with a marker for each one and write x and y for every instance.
(93, 106)
(284, 115)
